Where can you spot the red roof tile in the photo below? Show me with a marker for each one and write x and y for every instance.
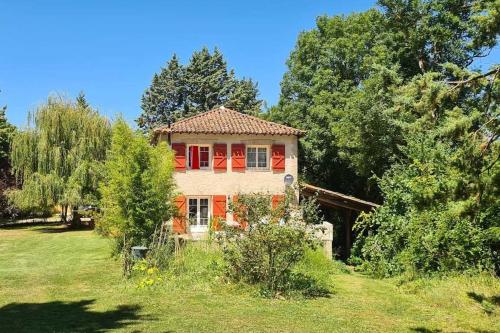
(226, 121)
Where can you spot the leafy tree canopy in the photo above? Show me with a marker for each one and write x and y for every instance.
(343, 74)
(205, 82)
(59, 157)
(442, 208)
(395, 113)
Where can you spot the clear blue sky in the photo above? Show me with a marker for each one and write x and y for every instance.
(111, 49)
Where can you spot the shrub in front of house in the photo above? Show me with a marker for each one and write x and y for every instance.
(275, 240)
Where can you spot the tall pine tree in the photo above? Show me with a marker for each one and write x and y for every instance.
(165, 99)
(204, 83)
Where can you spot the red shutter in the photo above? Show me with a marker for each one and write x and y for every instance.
(180, 156)
(278, 157)
(218, 210)
(220, 156)
(236, 218)
(277, 200)
(238, 157)
(195, 157)
(179, 222)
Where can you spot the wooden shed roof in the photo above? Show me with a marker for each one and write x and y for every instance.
(337, 200)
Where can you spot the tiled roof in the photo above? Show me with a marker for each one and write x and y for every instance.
(226, 121)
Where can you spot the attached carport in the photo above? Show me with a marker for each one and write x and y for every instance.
(347, 207)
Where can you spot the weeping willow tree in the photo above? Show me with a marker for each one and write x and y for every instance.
(58, 158)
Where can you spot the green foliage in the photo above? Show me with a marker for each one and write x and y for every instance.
(81, 101)
(197, 265)
(180, 91)
(275, 241)
(165, 99)
(266, 255)
(343, 77)
(323, 91)
(6, 178)
(392, 113)
(6, 132)
(430, 33)
(442, 202)
(59, 157)
(138, 188)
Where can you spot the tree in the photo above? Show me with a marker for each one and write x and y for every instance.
(81, 101)
(442, 204)
(58, 158)
(204, 83)
(430, 33)
(6, 179)
(393, 112)
(138, 188)
(164, 100)
(343, 74)
(326, 71)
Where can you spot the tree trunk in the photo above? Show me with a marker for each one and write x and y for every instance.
(75, 217)
(64, 213)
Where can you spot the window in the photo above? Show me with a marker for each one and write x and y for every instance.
(204, 157)
(198, 213)
(198, 157)
(257, 157)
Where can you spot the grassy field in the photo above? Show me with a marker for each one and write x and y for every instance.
(54, 280)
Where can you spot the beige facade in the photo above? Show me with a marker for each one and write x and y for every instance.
(209, 182)
(228, 182)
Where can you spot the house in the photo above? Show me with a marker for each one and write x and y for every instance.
(222, 153)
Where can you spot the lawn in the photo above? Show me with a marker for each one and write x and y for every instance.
(54, 280)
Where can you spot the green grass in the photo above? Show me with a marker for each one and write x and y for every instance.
(67, 282)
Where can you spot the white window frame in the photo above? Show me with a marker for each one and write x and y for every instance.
(199, 153)
(198, 227)
(257, 157)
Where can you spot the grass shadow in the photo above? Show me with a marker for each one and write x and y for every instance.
(21, 225)
(60, 316)
(495, 299)
(488, 304)
(437, 330)
(308, 286)
(426, 330)
(55, 229)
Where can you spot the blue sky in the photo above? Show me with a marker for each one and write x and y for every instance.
(111, 49)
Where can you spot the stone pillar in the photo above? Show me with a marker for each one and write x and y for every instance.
(324, 233)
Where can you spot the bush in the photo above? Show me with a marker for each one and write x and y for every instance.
(266, 254)
(276, 240)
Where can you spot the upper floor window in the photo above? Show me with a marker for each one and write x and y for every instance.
(257, 157)
(198, 157)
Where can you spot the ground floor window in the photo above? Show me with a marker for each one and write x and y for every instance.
(198, 212)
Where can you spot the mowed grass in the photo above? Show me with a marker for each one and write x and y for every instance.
(52, 280)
